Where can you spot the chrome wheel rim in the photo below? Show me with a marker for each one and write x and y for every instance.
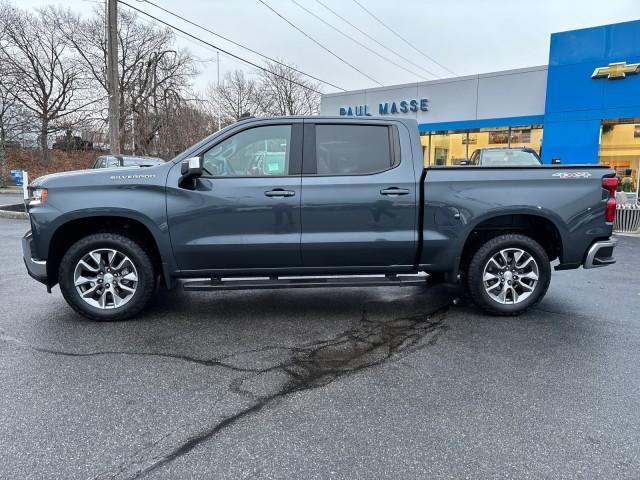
(106, 278)
(510, 276)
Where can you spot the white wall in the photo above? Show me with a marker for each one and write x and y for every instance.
(510, 93)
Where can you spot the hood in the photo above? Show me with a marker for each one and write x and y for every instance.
(100, 176)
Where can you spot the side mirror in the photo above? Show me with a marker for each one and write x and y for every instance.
(191, 169)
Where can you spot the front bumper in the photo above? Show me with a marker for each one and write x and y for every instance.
(600, 254)
(36, 268)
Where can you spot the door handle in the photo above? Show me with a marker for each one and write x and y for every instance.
(394, 191)
(279, 192)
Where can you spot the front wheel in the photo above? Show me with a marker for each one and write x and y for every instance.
(106, 276)
(508, 274)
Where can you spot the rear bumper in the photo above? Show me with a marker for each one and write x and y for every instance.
(600, 254)
(36, 268)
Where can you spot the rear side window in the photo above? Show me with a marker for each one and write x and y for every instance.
(355, 149)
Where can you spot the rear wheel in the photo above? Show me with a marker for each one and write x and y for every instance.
(106, 276)
(508, 274)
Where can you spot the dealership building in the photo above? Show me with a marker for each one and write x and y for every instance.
(583, 107)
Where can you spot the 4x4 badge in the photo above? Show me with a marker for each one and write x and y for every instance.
(572, 175)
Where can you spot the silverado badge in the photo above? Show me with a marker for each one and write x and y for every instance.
(132, 177)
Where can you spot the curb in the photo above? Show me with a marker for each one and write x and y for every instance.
(13, 215)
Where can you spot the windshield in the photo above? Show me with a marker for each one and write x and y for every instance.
(499, 158)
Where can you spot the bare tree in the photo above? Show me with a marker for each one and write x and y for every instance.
(288, 92)
(48, 79)
(153, 73)
(7, 100)
(184, 125)
(162, 86)
(58, 60)
(237, 96)
(12, 120)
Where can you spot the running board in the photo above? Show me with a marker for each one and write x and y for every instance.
(317, 282)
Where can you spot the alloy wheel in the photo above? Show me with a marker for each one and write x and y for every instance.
(105, 278)
(510, 276)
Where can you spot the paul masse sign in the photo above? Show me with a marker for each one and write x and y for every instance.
(388, 108)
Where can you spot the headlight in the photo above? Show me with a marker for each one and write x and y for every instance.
(37, 196)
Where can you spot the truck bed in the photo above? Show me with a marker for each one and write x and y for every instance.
(562, 201)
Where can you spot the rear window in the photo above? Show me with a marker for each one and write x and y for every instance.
(353, 149)
(505, 157)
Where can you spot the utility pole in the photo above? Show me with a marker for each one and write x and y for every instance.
(218, 95)
(112, 76)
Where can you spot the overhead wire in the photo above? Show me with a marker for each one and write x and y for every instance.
(320, 44)
(404, 39)
(227, 39)
(215, 47)
(356, 41)
(376, 41)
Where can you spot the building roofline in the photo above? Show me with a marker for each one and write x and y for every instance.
(463, 78)
(595, 27)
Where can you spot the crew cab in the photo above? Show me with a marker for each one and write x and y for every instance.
(309, 202)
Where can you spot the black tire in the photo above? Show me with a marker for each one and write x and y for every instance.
(139, 257)
(475, 274)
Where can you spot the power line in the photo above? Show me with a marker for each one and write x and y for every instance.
(321, 45)
(357, 41)
(248, 62)
(192, 41)
(403, 39)
(239, 44)
(373, 39)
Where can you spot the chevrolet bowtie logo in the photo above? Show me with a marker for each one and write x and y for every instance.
(616, 70)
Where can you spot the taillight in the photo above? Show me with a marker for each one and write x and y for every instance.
(610, 212)
(611, 185)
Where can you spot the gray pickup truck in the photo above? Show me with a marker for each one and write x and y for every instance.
(310, 202)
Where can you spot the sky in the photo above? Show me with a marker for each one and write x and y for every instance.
(465, 36)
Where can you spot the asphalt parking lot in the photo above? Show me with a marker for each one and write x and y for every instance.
(327, 383)
(8, 198)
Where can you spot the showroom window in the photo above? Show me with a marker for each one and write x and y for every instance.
(620, 148)
(453, 147)
(448, 148)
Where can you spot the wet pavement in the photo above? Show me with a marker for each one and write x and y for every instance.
(323, 383)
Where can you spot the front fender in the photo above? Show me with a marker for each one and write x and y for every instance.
(73, 204)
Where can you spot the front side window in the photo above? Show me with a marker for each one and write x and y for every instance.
(353, 149)
(256, 152)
